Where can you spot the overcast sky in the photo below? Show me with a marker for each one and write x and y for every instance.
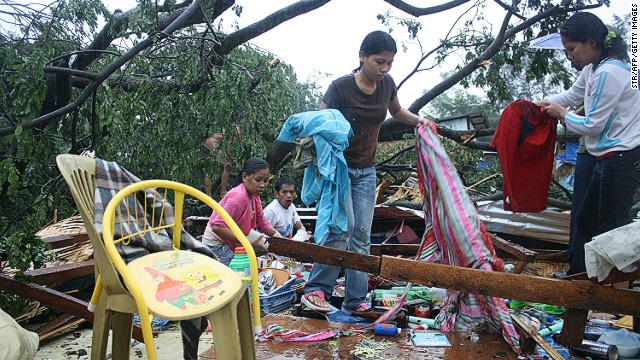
(327, 40)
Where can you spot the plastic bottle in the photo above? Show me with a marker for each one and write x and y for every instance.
(387, 329)
(240, 262)
(544, 318)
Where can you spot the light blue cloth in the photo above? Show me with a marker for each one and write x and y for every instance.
(328, 182)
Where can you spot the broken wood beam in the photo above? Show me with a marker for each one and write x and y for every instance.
(61, 329)
(60, 241)
(56, 323)
(514, 286)
(575, 321)
(54, 299)
(325, 255)
(56, 274)
(539, 339)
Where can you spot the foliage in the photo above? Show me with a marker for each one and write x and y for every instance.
(23, 251)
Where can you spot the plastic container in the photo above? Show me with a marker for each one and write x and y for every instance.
(240, 262)
(432, 323)
(276, 302)
(627, 343)
(387, 329)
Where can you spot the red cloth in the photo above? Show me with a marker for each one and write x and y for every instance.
(525, 141)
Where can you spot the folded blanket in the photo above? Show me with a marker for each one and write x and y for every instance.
(110, 179)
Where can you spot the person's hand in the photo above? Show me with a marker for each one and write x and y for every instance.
(542, 102)
(556, 110)
(257, 240)
(429, 123)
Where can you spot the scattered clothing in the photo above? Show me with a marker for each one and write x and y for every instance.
(525, 141)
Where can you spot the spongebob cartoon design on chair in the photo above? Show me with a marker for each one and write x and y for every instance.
(166, 282)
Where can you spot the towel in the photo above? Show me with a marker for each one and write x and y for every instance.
(326, 182)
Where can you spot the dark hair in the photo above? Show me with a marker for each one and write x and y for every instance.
(584, 25)
(284, 181)
(252, 166)
(375, 43)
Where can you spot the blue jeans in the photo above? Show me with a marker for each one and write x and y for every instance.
(609, 197)
(583, 172)
(361, 198)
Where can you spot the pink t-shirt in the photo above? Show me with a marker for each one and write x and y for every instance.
(240, 207)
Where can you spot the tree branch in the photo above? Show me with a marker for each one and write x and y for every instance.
(175, 21)
(417, 12)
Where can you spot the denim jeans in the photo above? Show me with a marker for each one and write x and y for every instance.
(609, 197)
(359, 204)
(583, 172)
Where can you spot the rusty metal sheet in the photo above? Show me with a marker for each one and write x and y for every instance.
(570, 294)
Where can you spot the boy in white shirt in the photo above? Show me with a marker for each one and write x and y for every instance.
(282, 214)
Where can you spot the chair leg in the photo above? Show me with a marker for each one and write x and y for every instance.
(245, 327)
(101, 325)
(122, 325)
(224, 327)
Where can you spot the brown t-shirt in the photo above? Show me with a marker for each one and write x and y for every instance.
(364, 112)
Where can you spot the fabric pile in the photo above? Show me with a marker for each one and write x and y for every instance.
(454, 235)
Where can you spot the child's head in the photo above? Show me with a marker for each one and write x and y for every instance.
(587, 40)
(285, 191)
(255, 175)
(375, 43)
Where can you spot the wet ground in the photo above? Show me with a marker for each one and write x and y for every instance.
(463, 346)
(76, 344)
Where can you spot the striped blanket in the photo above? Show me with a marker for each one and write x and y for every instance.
(111, 178)
(454, 235)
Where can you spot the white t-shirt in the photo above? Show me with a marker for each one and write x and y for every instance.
(283, 220)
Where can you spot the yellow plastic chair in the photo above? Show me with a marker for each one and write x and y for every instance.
(173, 285)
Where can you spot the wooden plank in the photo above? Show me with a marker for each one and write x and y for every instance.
(56, 274)
(315, 253)
(395, 249)
(61, 329)
(56, 323)
(60, 241)
(575, 320)
(54, 299)
(543, 344)
(514, 286)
